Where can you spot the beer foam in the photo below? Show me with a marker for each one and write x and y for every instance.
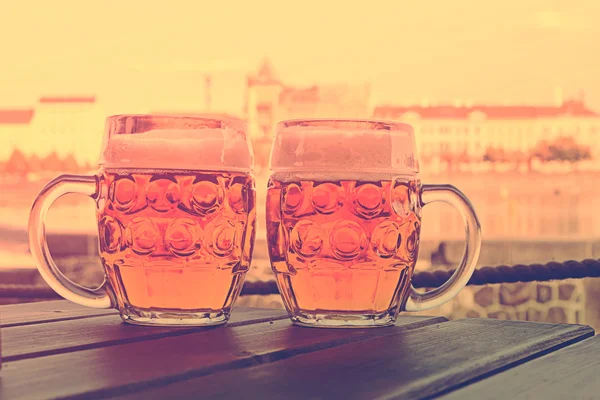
(314, 148)
(188, 149)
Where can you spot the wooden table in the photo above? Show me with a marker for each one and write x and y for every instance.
(57, 349)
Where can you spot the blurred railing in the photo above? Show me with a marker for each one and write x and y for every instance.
(482, 276)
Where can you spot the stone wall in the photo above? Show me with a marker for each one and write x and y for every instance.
(556, 301)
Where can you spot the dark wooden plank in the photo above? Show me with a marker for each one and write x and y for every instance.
(46, 311)
(117, 369)
(569, 373)
(30, 341)
(405, 365)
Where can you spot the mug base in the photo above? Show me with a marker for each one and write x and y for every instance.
(335, 319)
(160, 317)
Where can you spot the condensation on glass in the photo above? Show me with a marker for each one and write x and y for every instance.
(176, 215)
(343, 210)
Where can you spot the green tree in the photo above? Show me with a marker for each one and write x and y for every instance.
(35, 163)
(86, 167)
(52, 162)
(562, 149)
(70, 163)
(519, 156)
(448, 157)
(463, 157)
(542, 151)
(17, 163)
(493, 154)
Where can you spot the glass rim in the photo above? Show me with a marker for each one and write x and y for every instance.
(168, 141)
(208, 121)
(346, 123)
(303, 145)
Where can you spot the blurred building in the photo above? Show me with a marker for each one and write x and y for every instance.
(60, 133)
(269, 100)
(472, 130)
(14, 125)
(67, 125)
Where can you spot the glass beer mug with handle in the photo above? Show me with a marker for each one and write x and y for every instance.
(344, 217)
(176, 215)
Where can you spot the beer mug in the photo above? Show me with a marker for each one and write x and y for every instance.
(344, 208)
(176, 212)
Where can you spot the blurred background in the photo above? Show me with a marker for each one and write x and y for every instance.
(504, 98)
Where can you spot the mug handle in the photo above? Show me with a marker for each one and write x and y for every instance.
(64, 184)
(436, 297)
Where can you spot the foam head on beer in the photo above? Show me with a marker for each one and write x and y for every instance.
(345, 146)
(207, 146)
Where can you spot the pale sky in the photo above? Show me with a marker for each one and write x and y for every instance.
(139, 55)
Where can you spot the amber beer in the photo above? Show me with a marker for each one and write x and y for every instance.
(176, 212)
(343, 244)
(176, 240)
(344, 205)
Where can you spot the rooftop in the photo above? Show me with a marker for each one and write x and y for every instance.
(16, 116)
(568, 108)
(67, 99)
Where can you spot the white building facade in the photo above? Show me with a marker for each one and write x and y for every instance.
(473, 130)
